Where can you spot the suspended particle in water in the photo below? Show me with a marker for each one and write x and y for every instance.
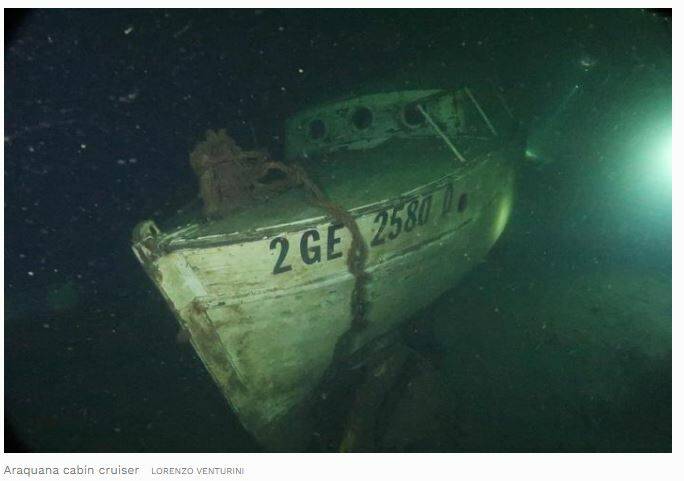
(587, 62)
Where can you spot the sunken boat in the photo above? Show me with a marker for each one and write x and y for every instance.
(403, 193)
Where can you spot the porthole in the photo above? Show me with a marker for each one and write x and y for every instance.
(362, 118)
(317, 129)
(412, 116)
(463, 202)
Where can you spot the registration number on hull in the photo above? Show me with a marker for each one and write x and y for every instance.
(322, 244)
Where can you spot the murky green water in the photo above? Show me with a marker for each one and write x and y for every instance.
(559, 341)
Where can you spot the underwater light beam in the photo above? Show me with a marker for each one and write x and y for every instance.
(664, 152)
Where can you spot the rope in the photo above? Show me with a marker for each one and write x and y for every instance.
(356, 256)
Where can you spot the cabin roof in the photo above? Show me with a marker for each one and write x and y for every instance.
(351, 179)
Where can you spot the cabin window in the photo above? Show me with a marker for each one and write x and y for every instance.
(317, 129)
(463, 202)
(412, 116)
(362, 118)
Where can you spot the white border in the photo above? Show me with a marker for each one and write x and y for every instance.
(406, 466)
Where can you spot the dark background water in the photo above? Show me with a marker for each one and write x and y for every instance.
(102, 108)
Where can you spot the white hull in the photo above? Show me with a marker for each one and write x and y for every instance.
(266, 323)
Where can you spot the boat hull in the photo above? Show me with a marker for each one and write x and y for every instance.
(265, 314)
